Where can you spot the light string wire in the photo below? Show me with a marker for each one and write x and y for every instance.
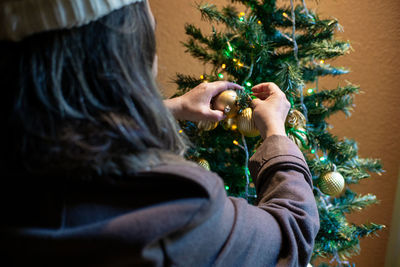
(244, 146)
(296, 54)
(325, 201)
(246, 168)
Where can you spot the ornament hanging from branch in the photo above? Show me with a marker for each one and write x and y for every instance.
(299, 137)
(331, 183)
(207, 125)
(246, 124)
(296, 128)
(226, 102)
(204, 163)
(230, 124)
(295, 119)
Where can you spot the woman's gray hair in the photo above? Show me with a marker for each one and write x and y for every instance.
(85, 100)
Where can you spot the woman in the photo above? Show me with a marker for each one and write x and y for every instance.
(92, 164)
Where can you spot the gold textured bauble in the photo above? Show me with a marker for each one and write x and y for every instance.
(229, 123)
(204, 163)
(207, 125)
(331, 183)
(299, 137)
(295, 119)
(246, 124)
(226, 102)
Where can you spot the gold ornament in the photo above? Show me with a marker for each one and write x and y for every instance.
(331, 183)
(246, 124)
(226, 102)
(295, 119)
(204, 163)
(207, 125)
(230, 124)
(299, 137)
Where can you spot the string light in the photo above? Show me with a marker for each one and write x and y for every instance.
(226, 187)
(248, 84)
(322, 159)
(313, 151)
(223, 66)
(234, 60)
(230, 47)
(310, 91)
(285, 15)
(236, 143)
(322, 61)
(202, 77)
(180, 131)
(220, 75)
(240, 64)
(259, 22)
(234, 127)
(241, 16)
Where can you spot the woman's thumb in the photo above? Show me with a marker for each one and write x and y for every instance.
(255, 102)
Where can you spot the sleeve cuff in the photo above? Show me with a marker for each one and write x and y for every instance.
(277, 150)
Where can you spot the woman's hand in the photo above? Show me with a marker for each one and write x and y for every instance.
(195, 105)
(270, 109)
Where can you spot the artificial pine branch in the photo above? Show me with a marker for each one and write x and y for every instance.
(314, 70)
(326, 49)
(185, 83)
(195, 33)
(351, 202)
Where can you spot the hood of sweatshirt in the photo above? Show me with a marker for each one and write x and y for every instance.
(102, 224)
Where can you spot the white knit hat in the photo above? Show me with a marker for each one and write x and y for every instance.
(21, 18)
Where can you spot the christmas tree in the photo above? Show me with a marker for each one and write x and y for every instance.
(291, 46)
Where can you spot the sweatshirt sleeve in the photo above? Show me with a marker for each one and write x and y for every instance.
(227, 231)
(284, 189)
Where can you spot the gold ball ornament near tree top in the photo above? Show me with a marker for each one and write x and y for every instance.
(226, 102)
(331, 183)
(207, 125)
(246, 124)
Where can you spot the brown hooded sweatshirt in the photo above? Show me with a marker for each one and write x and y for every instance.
(176, 214)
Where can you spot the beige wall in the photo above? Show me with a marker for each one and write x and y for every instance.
(374, 31)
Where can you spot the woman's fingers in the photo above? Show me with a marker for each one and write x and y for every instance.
(218, 87)
(264, 90)
(265, 87)
(215, 115)
(262, 95)
(195, 105)
(270, 109)
(255, 102)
